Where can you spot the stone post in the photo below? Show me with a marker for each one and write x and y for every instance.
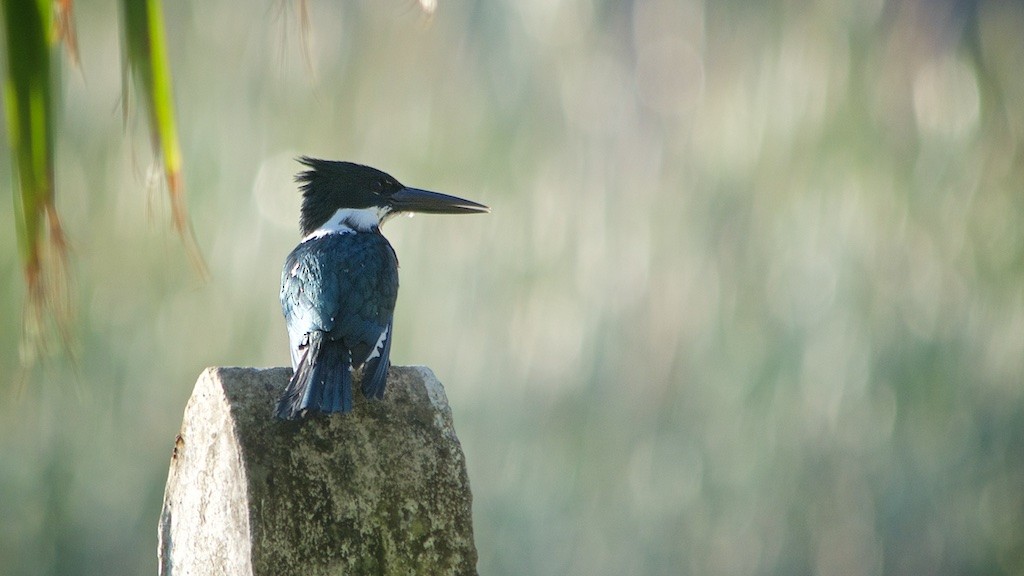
(381, 490)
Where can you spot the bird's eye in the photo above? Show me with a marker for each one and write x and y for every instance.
(377, 186)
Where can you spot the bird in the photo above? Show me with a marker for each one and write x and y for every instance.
(340, 284)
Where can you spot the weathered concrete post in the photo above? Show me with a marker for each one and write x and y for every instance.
(382, 490)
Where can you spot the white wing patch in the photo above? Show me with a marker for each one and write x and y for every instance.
(379, 345)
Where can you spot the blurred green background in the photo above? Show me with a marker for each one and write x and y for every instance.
(750, 300)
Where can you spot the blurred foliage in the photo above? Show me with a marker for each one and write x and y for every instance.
(145, 56)
(28, 96)
(750, 300)
(31, 27)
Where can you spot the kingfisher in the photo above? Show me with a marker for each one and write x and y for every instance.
(340, 284)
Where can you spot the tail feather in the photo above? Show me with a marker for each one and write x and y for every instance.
(322, 381)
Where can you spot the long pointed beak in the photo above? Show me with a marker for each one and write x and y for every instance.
(416, 200)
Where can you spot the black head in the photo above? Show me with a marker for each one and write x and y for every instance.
(330, 185)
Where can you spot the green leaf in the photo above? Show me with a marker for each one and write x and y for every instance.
(28, 93)
(145, 54)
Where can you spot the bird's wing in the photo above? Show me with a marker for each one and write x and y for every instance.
(301, 281)
(375, 370)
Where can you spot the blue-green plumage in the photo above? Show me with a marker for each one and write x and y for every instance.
(340, 284)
